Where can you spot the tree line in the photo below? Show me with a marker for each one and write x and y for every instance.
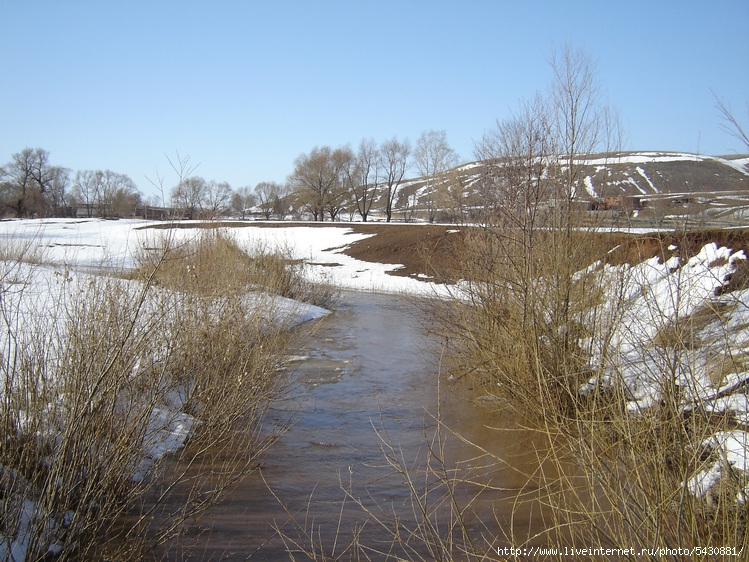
(528, 161)
(32, 187)
(325, 183)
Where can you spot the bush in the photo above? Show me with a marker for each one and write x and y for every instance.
(633, 391)
(119, 394)
(214, 263)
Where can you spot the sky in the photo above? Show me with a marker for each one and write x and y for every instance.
(242, 88)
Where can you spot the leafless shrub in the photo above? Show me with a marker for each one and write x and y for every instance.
(129, 407)
(548, 324)
(629, 466)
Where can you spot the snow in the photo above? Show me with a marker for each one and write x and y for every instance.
(15, 549)
(97, 243)
(739, 164)
(633, 181)
(643, 356)
(641, 158)
(589, 187)
(167, 431)
(731, 448)
(647, 179)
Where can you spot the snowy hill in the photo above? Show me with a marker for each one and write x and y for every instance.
(654, 184)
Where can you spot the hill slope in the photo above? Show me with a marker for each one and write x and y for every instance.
(653, 185)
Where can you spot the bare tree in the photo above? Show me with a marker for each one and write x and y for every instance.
(216, 199)
(731, 124)
(365, 180)
(26, 180)
(242, 199)
(318, 180)
(125, 197)
(282, 202)
(117, 194)
(433, 156)
(344, 168)
(578, 114)
(313, 179)
(581, 123)
(104, 193)
(58, 194)
(188, 196)
(181, 166)
(532, 182)
(394, 163)
(516, 174)
(85, 189)
(268, 193)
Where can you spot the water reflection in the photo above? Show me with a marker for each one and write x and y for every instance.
(367, 388)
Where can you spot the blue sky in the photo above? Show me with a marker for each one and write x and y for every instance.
(244, 88)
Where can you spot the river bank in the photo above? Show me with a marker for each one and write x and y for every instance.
(368, 385)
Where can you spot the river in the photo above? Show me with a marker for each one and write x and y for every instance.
(367, 380)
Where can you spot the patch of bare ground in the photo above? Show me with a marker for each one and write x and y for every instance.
(432, 251)
(427, 250)
(634, 249)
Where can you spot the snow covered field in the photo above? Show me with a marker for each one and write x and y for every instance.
(97, 243)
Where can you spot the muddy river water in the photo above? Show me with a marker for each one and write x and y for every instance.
(369, 381)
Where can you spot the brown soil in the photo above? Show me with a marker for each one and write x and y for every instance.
(433, 250)
(430, 250)
(633, 249)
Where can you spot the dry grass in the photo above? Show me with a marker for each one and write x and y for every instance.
(214, 263)
(130, 406)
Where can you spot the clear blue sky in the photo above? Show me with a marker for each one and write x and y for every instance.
(244, 87)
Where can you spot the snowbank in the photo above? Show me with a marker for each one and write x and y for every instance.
(42, 294)
(647, 314)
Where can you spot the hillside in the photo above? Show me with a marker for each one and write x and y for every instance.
(648, 187)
